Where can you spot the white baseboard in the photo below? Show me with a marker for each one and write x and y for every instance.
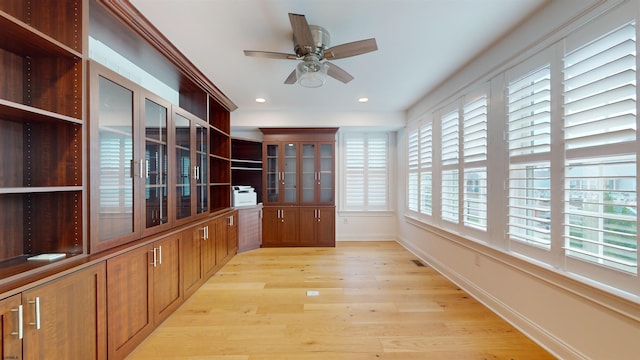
(554, 345)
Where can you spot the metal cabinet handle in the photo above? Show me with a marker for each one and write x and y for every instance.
(36, 303)
(20, 332)
(230, 221)
(155, 257)
(318, 214)
(160, 255)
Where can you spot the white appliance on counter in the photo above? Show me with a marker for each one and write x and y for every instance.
(244, 196)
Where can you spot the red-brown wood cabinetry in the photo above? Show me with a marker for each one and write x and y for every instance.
(298, 187)
(144, 287)
(60, 319)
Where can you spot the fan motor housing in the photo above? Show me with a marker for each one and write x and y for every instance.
(321, 39)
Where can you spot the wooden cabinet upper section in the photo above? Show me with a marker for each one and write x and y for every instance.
(298, 166)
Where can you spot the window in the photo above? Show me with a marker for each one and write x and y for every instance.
(474, 154)
(529, 141)
(413, 163)
(562, 133)
(366, 171)
(600, 201)
(450, 155)
(426, 169)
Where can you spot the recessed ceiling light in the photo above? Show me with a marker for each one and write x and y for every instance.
(363, 99)
(260, 100)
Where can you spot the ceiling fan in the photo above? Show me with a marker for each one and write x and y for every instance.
(311, 45)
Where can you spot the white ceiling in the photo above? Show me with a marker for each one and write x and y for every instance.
(421, 43)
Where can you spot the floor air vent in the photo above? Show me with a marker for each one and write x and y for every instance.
(418, 263)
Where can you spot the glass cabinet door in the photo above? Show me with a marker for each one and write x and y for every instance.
(325, 178)
(183, 166)
(309, 173)
(272, 173)
(155, 163)
(116, 165)
(290, 173)
(201, 170)
(317, 177)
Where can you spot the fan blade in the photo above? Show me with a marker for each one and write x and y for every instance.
(291, 79)
(302, 37)
(270, 55)
(351, 49)
(338, 74)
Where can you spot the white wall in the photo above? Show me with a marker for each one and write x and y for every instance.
(566, 315)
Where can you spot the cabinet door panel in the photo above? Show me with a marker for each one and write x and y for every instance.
(116, 164)
(289, 227)
(232, 233)
(272, 174)
(326, 227)
(155, 119)
(308, 226)
(270, 226)
(129, 302)
(167, 286)
(202, 158)
(192, 259)
(183, 166)
(309, 173)
(11, 344)
(209, 250)
(326, 177)
(290, 173)
(71, 316)
(222, 246)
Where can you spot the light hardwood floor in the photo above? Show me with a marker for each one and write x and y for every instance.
(373, 303)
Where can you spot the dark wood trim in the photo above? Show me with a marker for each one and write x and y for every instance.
(134, 20)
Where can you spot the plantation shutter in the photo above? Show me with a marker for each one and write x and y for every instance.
(600, 144)
(450, 160)
(413, 165)
(529, 140)
(474, 154)
(426, 169)
(367, 171)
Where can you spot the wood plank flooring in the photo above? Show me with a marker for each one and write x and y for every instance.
(373, 303)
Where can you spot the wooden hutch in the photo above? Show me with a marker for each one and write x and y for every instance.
(298, 187)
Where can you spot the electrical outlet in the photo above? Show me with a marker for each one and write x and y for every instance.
(345, 221)
(313, 293)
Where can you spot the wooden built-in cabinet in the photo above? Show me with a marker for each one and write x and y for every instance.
(115, 180)
(250, 227)
(144, 288)
(299, 187)
(61, 319)
(246, 165)
(207, 247)
(41, 132)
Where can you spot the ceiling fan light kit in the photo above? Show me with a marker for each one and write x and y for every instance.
(311, 45)
(311, 73)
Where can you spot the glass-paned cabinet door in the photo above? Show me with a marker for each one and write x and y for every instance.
(156, 148)
(182, 127)
(115, 156)
(290, 173)
(201, 170)
(272, 173)
(325, 178)
(309, 173)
